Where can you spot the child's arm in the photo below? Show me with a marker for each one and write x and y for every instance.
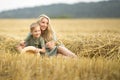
(20, 46)
(22, 43)
(37, 50)
(42, 50)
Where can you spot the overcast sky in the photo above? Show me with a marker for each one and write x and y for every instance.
(14, 4)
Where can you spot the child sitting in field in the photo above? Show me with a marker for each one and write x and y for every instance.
(35, 44)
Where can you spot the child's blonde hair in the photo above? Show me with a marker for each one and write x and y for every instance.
(33, 25)
(48, 34)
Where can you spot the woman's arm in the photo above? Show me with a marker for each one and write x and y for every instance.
(50, 44)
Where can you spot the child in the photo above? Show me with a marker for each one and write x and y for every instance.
(35, 43)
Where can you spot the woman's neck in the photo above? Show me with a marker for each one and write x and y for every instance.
(42, 32)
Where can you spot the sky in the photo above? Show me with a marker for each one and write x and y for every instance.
(14, 4)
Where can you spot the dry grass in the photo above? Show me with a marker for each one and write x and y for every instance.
(95, 41)
(31, 67)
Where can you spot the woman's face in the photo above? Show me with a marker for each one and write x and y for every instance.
(44, 24)
(36, 32)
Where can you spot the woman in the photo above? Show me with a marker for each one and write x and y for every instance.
(50, 38)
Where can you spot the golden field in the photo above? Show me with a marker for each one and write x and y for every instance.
(96, 42)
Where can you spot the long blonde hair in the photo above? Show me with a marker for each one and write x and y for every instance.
(48, 33)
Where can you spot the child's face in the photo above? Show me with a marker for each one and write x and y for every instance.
(44, 24)
(36, 32)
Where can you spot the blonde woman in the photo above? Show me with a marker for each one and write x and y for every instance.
(50, 38)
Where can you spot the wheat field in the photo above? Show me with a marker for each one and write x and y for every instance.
(96, 42)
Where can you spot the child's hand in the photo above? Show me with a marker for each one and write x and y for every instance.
(37, 50)
(22, 43)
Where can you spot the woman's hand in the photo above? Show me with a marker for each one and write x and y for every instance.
(50, 44)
